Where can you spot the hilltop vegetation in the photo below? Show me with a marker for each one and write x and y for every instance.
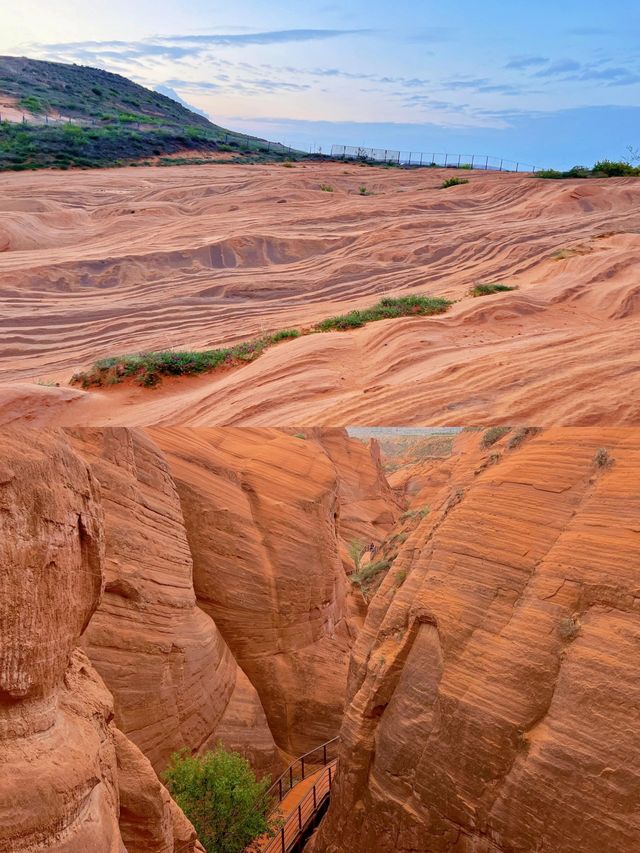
(86, 117)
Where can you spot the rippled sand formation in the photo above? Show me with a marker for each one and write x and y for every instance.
(107, 262)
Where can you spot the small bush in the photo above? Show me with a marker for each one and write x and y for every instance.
(569, 628)
(400, 577)
(602, 459)
(364, 191)
(326, 188)
(489, 288)
(453, 182)
(283, 335)
(222, 798)
(492, 435)
(615, 168)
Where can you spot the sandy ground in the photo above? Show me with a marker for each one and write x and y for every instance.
(97, 263)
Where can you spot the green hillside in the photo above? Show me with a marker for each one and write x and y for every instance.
(79, 116)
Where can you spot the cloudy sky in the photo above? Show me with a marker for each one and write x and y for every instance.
(556, 82)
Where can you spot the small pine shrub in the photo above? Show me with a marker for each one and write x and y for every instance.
(602, 459)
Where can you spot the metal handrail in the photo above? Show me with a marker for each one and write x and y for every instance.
(304, 813)
(284, 783)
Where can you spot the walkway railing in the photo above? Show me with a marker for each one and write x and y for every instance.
(299, 822)
(302, 767)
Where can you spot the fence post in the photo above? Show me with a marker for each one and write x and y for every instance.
(315, 802)
(501, 162)
(280, 788)
(421, 159)
(324, 752)
(300, 818)
(302, 763)
(486, 163)
(459, 156)
(445, 159)
(291, 777)
(329, 778)
(517, 164)
(284, 849)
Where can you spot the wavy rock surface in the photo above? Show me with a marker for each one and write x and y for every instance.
(174, 679)
(494, 692)
(261, 510)
(193, 257)
(66, 783)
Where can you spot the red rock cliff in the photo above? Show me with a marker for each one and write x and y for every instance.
(493, 694)
(70, 780)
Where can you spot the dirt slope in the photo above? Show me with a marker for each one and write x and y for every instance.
(494, 693)
(103, 263)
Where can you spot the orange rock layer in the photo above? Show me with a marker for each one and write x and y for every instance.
(493, 693)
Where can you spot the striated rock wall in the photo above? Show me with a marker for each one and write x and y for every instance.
(174, 680)
(494, 692)
(262, 509)
(66, 780)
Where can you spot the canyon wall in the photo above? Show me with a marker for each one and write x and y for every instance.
(174, 680)
(263, 515)
(70, 780)
(493, 693)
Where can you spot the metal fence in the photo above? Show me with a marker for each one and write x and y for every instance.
(419, 158)
(302, 767)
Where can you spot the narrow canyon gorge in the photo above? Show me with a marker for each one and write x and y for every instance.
(463, 612)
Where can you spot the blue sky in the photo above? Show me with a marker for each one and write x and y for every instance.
(548, 83)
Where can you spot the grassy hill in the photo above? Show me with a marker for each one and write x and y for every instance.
(77, 116)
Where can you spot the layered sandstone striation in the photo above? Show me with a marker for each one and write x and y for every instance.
(87, 274)
(263, 513)
(70, 780)
(174, 680)
(493, 692)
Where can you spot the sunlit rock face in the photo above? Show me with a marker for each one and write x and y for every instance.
(493, 699)
(174, 679)
(69, 780)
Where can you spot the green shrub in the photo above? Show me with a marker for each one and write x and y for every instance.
(492, 435)
(222, 798)
(362, 190)
(283, 335)
(615, 168)
(489, 288)
(415, 513)
(355, 549)
(453, 182)
(370, 571)
(388, 307)
(602, 458)
(326, 188)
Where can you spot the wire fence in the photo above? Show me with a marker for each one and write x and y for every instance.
(338, 152)
(434, 158)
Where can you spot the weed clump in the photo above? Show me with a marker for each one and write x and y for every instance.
(602, 459)
(326, 188)
(489, 288)
(387, 308)
(492, 435)
(453, 182)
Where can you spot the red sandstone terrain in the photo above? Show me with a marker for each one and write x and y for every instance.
(166, 590)
(172, 587)
(103, 263)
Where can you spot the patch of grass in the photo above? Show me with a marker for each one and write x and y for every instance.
(326, 188)
(370, 571)
(489, 288)
(415, 513)
(355, 549)
(492, 435)
(147, 368)
(521, 435)
(362, 190)
(300, 435)
(453, 182)
(400, 577)
(388, 307)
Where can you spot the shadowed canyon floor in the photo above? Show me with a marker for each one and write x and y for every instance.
(95, 264)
